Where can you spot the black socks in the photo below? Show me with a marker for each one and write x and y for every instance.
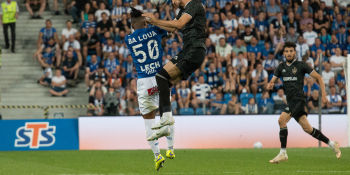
(283, 137)
(318, 135)
(162, 79)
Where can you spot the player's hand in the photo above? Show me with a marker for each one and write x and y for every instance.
(270, 86)
(150, 18)
(324, 99)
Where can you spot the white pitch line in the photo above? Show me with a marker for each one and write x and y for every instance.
(301, 171)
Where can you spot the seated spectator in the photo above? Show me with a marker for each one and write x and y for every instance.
(91, 43)
(215, 36)
(46, 33)
(248, 34)
(246, 20)
(280, 100)
(218, 106)
(342, 35)
(332, 46)
(230, 23)
(266, 50)
(317, 46)
(254, 48)
(34, 6)
(111, 64)
(216, 24)
(71, 42)
(213, 76)
(259, 79)
(102, 9)
(334, 101)
(58, 84)
(327, 74)
(97, 103)
(183, 94)
(312, 103)
(233, 106)
(46, 59)
(310, 35)
(117, 11)
(84, 14)
(337, 61)
(310, 86)
(104, 25)
(71, 67)
(66, 32)
(292, 35)
(243, 80)
(90, 23)
(55, 50)
(45, 80)
(301, 48)
(100, 75)
(251, 107)
(91, 70)
(174, 49)
(112, 102)
(239, 61)
(223, 51)
(266, 104)
(200, 93)
(262, 26)
(270, 64)
(230, 78)
(239, 47)
(108, 48)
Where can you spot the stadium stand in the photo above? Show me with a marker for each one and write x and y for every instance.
(244, 45)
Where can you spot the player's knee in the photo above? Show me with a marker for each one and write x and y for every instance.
(282, 122)
(162, 75)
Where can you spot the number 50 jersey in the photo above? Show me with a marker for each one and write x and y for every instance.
(146, 50)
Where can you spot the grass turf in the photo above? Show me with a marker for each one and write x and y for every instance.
(206, 162)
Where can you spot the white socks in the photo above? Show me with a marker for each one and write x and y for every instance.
(154, 144)
(331, 144)
(170, 138)
(283, 151)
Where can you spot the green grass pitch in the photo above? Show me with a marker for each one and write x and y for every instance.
(187, 162)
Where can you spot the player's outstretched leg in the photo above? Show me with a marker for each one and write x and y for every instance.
(282, 155)
(163, 79)
(170, 140)
(304, 123)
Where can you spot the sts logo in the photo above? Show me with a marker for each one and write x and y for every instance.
(35, 135)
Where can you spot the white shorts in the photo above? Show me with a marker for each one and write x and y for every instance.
(147, 94)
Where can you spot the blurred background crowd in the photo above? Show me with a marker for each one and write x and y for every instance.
(244, 43)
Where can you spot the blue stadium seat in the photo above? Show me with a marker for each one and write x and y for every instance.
(227, 97)
(199, 111)
(258, 97)
(244, 98)
(186, 111)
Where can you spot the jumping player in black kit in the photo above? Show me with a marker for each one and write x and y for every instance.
(191, 21)
(292, 73)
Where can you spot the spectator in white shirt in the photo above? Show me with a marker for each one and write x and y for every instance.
(246, 20)
(58, 84)
(71, 42)
(259, 78)
(239, 61)
(66, 32)
(200, 93)
(337, 61)
(230, 23)
(301, 48)
(310, 35)
(327, 74)
(214, 37)
(98, 13)
(334, 101)
(184, 94)
(223, 50)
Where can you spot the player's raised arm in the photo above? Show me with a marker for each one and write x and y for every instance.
(320, 81)
(177, 24)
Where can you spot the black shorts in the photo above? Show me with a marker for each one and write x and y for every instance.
(297, 108)
(188, 60)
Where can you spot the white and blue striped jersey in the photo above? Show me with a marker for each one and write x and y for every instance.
(146, 50)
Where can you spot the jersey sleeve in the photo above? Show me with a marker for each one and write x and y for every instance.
(191, 9)
(277, 72)
(306, 68)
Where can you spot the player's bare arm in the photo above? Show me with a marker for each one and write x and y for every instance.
(177, 24)
(320, 81)
(271, 83)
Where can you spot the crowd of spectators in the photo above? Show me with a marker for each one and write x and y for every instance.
(244, 46)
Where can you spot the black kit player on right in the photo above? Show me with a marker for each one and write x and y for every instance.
(292, 73)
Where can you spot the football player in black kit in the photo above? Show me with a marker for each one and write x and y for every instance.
(191, 21)
(292, 73)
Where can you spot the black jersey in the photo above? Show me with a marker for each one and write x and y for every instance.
(293, 77)
(194, 31)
